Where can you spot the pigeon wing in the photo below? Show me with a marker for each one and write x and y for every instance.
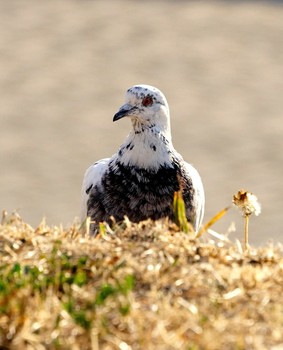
(92, 178)
(199, 198)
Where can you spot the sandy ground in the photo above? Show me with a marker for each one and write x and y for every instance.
(66, 64)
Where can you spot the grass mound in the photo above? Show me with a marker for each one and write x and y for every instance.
(142, 286)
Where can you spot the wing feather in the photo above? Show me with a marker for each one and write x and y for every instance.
(92, 178)
(199, 194)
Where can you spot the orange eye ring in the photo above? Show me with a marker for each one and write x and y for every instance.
(147, 101)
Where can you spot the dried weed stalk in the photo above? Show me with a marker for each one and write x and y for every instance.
(248, 205)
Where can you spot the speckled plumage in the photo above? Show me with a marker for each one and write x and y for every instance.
(139, 181)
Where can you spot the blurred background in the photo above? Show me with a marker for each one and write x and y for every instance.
(65, 66)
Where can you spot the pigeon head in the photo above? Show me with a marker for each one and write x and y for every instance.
(147, 107)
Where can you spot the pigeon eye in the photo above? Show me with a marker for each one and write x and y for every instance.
(147, 101)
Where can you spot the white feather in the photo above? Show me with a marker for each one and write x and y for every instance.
(92, 178)
(142, 154)
(198, 186)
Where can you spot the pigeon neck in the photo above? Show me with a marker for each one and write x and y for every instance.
(147, 148)
(150, 130)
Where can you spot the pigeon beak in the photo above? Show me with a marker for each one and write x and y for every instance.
(124, 111)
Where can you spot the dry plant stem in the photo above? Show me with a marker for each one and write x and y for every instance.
(212, 221)
(246, 238)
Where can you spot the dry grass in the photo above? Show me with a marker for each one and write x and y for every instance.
(145, 286)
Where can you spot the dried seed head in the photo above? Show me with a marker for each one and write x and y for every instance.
(247, 203)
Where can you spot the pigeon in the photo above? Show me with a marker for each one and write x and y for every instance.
(139, 181)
